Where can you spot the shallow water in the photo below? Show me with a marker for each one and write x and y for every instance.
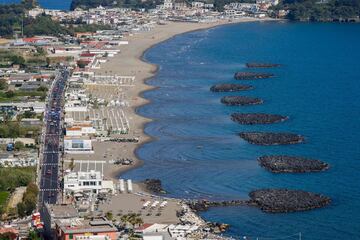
(197, 153)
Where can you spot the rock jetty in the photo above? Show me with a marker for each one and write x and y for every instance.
(204, 205)
(154, 186)
(284, 200)
(262, 65)
(257, 118)
(267, 138)
(291, 164)
(251, 75)
(240, 100)
(230, 87)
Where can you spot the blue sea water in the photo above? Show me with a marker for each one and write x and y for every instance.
(49, 4)
(197, 153)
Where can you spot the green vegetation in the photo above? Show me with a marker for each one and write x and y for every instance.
(16, 177)
(12, 15)
(43, 25)
(28, 204)
(314, 10)
(132, 218)
(3, 198)
(8, 58)
(12, 18)
(14, 130)
(33, 236)
(16, 96)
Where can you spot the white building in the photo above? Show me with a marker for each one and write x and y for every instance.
(80, 130)
(88, 182)
(197, 4)
(168, 4)
(78, 146)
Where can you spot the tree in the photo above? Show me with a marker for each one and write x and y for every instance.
(10, 94)
(3, 84)
(18, 146)
(33, 236)
(109, 216)
(42, 89)
(21, 209)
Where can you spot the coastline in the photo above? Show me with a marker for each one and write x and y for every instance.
(131, 61)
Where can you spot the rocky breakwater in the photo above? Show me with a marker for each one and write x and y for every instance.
(230, 87)
(262, 65)
(257, 118)
(204, 205)
(240, 100)
(154, 186)
(267, 138)
(284, 200)
(291, 164)
(252, 75)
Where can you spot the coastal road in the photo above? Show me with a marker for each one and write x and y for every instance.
(49, 183)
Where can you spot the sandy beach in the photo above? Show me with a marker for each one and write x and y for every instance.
(129, 62)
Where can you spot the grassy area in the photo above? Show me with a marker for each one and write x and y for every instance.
(17, 96)
(3, 198)
(16, 177)
(15, 130)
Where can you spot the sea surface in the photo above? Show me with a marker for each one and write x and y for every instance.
(197, 152)
(49, 4)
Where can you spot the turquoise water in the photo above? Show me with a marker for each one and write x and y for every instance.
(197, 153)
(50, 4)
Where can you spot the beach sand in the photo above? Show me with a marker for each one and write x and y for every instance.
(129, 62)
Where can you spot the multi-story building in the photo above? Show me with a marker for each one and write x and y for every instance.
(53, 213)
(79, 229)
(88, 182)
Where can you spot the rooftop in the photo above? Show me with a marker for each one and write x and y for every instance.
(62, 210)
(79, 225)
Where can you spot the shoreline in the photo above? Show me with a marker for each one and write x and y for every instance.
(140, 44)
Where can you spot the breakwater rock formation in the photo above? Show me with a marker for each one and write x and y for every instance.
(257, 118)
(251, 75)
(291, 164)
(284, 200)
(240, 100)
(262, 65)
(230, 87)
(154, 186)
(204, 205)
(267, 138)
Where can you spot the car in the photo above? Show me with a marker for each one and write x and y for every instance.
(48, 172)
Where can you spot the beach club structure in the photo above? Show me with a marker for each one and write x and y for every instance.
(91, 182)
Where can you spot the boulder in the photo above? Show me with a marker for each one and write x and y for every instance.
(268, 138)
(257, 118)
(252, 75)
(230, 87)
(291, 164)
(240, 100)
(284, 200)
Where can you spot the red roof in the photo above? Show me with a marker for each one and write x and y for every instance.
(87, 54)
(144, 226)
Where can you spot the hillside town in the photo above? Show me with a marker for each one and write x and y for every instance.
(67, 128)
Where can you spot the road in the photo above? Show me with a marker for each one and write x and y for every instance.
(49, 166)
